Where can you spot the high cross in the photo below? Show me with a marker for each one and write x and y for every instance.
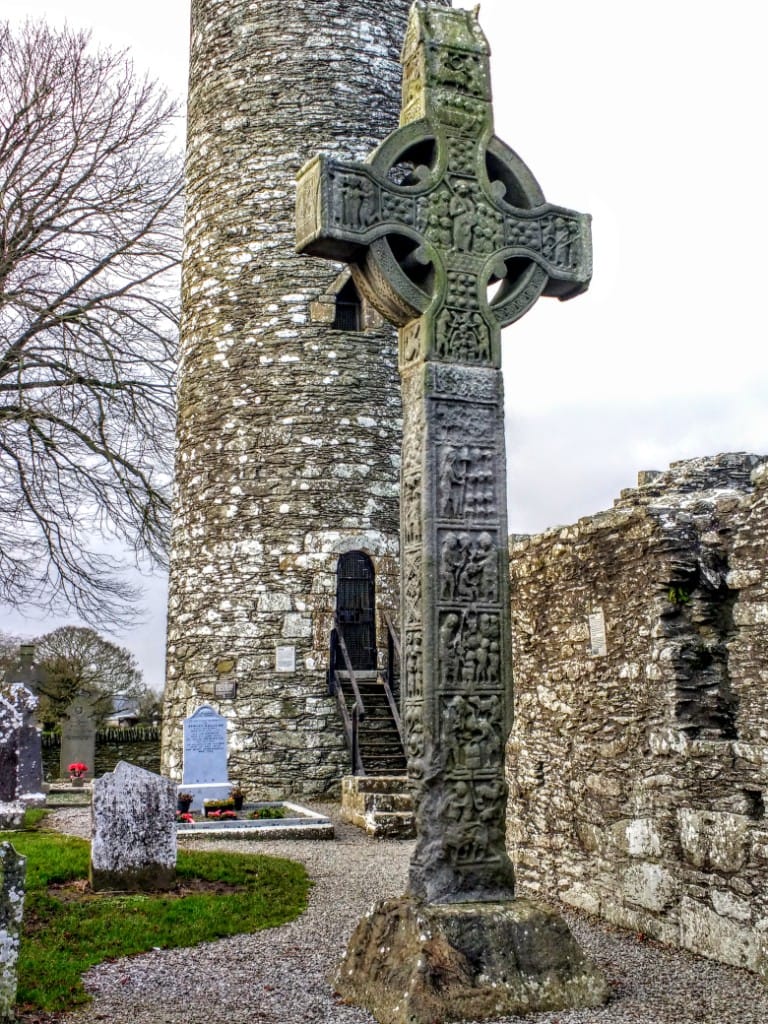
(448, 235)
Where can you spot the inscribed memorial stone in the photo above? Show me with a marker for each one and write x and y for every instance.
(205, 746)
(205, 755)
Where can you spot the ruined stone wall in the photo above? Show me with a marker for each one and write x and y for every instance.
(288, 431)
(638, 776)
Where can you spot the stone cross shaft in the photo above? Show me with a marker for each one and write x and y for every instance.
(448, 235)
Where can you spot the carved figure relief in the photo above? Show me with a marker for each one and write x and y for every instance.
(560, 235)
(462, 337)
(411, 499)
(414, 681)
(358, 201)
(412, 588)
(414, 731)
(460, 69)
(471, 820)
(462, 210)
(468, 568)
(471, 733)
(466, 482)
(469, 650)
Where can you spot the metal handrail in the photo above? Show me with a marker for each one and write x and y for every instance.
(393, 646)
(391, 632)
(348, 664)
(351, 722)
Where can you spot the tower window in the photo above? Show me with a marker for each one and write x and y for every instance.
(348, 313)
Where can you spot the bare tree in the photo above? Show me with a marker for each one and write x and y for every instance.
(76, 659)
(90, 241)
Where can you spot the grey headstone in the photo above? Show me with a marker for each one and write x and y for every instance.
(204, 771)
(12, 872)
(133, 830)
(78, 735)
(10, 720)
(21, 762)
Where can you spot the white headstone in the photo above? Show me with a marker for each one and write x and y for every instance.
(133, 830)
(204, 773)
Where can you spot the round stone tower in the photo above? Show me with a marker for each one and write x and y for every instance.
(289, 410)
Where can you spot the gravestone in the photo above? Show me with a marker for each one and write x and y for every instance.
(448, 235)
(10, 721)
(78, 735)
(12, 872)
(133, 830)
(204, 771)
(21, 762)
(26, 670)
(29, 767)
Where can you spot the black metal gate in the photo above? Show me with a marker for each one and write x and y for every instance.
(356, 609)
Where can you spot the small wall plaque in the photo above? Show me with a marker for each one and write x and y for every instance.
(285, 659)
(225, 688)
(597, 639)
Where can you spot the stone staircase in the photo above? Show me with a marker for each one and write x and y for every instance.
(380, 804)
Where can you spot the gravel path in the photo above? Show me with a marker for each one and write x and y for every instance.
(279, 976)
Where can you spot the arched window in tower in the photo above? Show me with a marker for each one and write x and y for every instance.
(348, 314)
(356, 608)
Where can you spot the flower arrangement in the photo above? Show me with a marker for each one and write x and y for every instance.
(267, 812)
(237, 795)
(217, 805)
(222, 815)
(77, 769)
(185, 817)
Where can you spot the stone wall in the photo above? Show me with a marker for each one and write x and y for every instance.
(288, 430)
(139, 746)
(639, 766)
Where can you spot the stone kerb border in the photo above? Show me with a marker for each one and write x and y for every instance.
(303, 824)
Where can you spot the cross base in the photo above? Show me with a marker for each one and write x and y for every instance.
(413, 963)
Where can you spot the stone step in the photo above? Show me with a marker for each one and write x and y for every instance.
(379, 804)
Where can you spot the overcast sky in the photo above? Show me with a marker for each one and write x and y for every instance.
(651, 118)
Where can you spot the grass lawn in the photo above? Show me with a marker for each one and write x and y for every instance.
(68, 929)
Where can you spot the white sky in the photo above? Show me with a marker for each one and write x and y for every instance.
(651, 118)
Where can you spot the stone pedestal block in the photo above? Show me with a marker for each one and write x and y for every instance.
(411, 963)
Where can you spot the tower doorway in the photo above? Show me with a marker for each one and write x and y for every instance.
(356, 608)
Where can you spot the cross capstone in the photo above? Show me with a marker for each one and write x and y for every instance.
(444, 227)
